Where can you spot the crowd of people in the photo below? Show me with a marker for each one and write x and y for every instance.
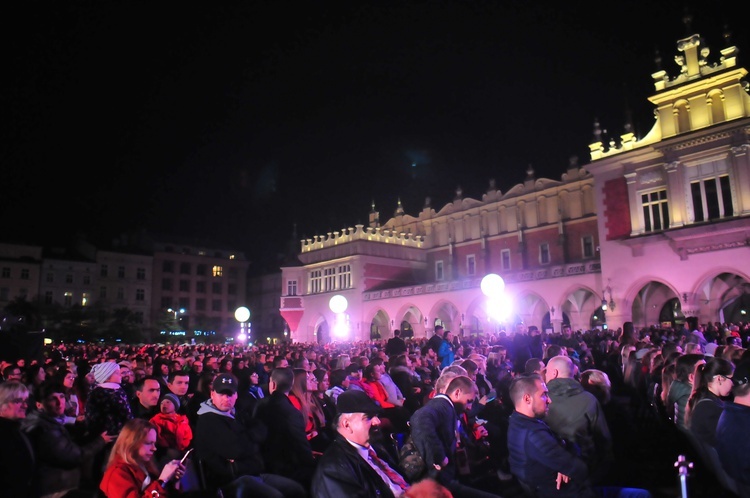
(523, 412)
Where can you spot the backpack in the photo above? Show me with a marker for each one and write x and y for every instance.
(411, 462)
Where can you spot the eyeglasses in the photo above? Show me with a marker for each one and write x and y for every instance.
(20, 401)
(727, 378)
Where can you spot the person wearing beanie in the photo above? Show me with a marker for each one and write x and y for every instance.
(107, 408)
(173, 432)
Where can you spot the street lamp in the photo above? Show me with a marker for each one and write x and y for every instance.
(498, 302)
(338, 305)
(180, 311)
(242, 315)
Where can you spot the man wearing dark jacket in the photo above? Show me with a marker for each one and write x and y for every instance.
(537, 458)
(348, 469)
(59, 459)
(230, 451)
(395, 345)
(433, 430)
(287, 450)
(576, 416)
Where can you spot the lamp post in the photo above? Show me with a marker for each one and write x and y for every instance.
(338, 305)
(242, 315)
(498, 302)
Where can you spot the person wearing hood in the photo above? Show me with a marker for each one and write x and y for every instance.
(230, 450)
(576, 416)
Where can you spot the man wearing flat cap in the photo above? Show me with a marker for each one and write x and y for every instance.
(350, 467)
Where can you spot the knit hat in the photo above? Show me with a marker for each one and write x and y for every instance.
(173, 398)
(103, 371)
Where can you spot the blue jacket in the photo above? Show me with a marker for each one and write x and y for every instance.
(733, 441)
(446, 354)
(536, 456)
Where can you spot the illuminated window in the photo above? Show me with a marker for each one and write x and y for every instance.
(316, 281)
(345, 276)
(655, 211)
(471, 265)
(329, 281)
(505, 259)
(439, 274)
(84, 299)
(712, 198)
(232, 256)
(544, 253)
(217, 271)
(291, 287)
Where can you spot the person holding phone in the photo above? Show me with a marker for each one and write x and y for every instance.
(131, 471)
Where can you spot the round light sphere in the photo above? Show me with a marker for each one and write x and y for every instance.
(242, 314)
(492, 285)
(338, 303)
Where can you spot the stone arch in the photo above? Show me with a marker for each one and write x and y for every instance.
(534, 307)
(411, 314)
(649, 296)
(578, 303)
(715, 102)
(722, 295)
(447, 313)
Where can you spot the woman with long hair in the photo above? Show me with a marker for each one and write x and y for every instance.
(73, 402)
(303, 387)
(131, 471)
(712, 384)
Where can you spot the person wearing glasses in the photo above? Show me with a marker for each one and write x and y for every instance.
(17, 458)
(712, 385)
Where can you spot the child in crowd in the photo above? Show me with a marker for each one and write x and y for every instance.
(173, 430)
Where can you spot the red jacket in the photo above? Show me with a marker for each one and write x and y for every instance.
(379, 393)
(172, 431)
(122, 480)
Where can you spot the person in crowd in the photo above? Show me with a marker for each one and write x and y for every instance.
(433, 430)
(534, 366)
(521, 347)
(73, 405)
(339, 382)
(538, 458)
(128, 379)
(147, 395)
(325, 403)
(286, 452)
(712, 386)
(395, 345)
(173, 431)
(679, 391)
(231, 450)
(394, 417)
(196, 369)
(131, 471)
(108, 407)
(35, 374)
(161, 371)
(59, 459)
(395, 396)
(408, 382)
(576, 416)
(17, 459)
(178, 382)
(301, 396)
(13, 372)
(733, 429)
(351, 466)
(446, 352)
(202, 393)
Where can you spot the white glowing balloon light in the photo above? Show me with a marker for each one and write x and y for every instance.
(492, 285)
(242, 314)
(242, 337)
(500, 308)
(338, 304)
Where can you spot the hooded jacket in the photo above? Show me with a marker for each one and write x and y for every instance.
(227, 448)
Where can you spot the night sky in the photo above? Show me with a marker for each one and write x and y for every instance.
(232, 121)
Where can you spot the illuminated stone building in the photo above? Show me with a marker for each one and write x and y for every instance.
(656, 228)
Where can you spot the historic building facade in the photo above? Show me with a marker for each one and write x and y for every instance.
(656, 229)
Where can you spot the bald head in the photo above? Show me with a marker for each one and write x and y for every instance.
(560, 367)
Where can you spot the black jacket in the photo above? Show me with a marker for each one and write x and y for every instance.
(59, 458)
(228, 448)
(433, 429)
(16, 460)
(341, 472)
(287, 451)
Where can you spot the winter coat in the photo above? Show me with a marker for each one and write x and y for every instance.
(677, 398)
(342, 472)
(733, 440)
(576, 416)
(59, 458)
(122, 480)
(433, 430)
(172, 431)
(536, 456)
(107, 409)
(16, 460)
